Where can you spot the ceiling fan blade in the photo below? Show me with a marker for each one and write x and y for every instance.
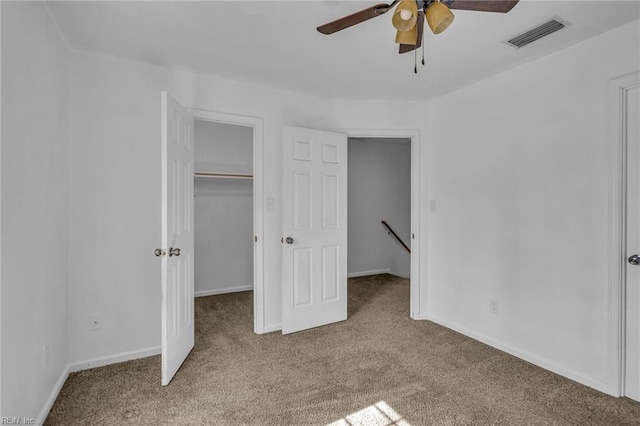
(499, 6)
(404, 48)
(356, 18)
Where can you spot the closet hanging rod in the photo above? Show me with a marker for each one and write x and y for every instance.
(223, 175)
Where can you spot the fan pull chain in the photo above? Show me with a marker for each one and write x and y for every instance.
(423, 50)
(415, 61)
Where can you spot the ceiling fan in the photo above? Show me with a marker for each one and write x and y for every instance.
(409, 16)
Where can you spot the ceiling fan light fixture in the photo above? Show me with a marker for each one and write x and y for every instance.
(439, 17)
(408, 37)
(405, 16)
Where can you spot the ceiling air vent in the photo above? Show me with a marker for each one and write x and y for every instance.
(538, 32)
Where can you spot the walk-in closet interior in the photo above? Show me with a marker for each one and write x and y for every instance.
(223, 208)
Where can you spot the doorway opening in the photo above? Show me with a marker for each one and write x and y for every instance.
(379, 215)
(226, 209)
(397, 153)
(223, 208)
(314, 245)
(379, 197)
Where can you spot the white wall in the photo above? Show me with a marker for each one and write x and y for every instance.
(379, 189)
(516, 170)
(222, 147)
(34, 208)
(115, 191)
(223, 209)
(516, 165)
(520, 177)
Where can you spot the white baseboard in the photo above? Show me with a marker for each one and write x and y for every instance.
(399, 275)
(53, 396)
(215, 291)
(113, 359)
(84, 365)
(527, 356)
(367, 273)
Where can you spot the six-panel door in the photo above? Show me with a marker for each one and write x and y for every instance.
(177, 236)
(314, 245)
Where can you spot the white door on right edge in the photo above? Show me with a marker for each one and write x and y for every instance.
(314, 249)
(632, 352)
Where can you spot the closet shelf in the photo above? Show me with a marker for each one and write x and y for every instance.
(209, 175)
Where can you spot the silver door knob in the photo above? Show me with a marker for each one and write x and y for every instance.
(174, 251)
(289, 240)
(159, 252)
(634, 260)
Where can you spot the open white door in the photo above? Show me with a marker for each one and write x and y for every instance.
(314, 249)
(177, 236)
(632, 347)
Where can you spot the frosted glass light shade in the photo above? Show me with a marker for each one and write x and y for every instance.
(408, 37)
(405, 16)
(439, 17)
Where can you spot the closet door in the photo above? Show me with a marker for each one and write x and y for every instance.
(314, 245)
(177, 236)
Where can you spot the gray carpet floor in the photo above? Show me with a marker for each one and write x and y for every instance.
(377, 368)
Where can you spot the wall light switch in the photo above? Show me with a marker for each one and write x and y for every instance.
(46, 352)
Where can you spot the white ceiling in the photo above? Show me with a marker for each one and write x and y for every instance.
(276, 44)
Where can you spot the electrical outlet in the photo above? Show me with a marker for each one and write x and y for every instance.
(493, 306)
(45, 355)
(95, 323)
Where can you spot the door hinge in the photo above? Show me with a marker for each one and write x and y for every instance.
(255, 238)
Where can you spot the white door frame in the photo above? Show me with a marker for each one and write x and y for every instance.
(617, 94)
(416, 201)
(258, 211)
